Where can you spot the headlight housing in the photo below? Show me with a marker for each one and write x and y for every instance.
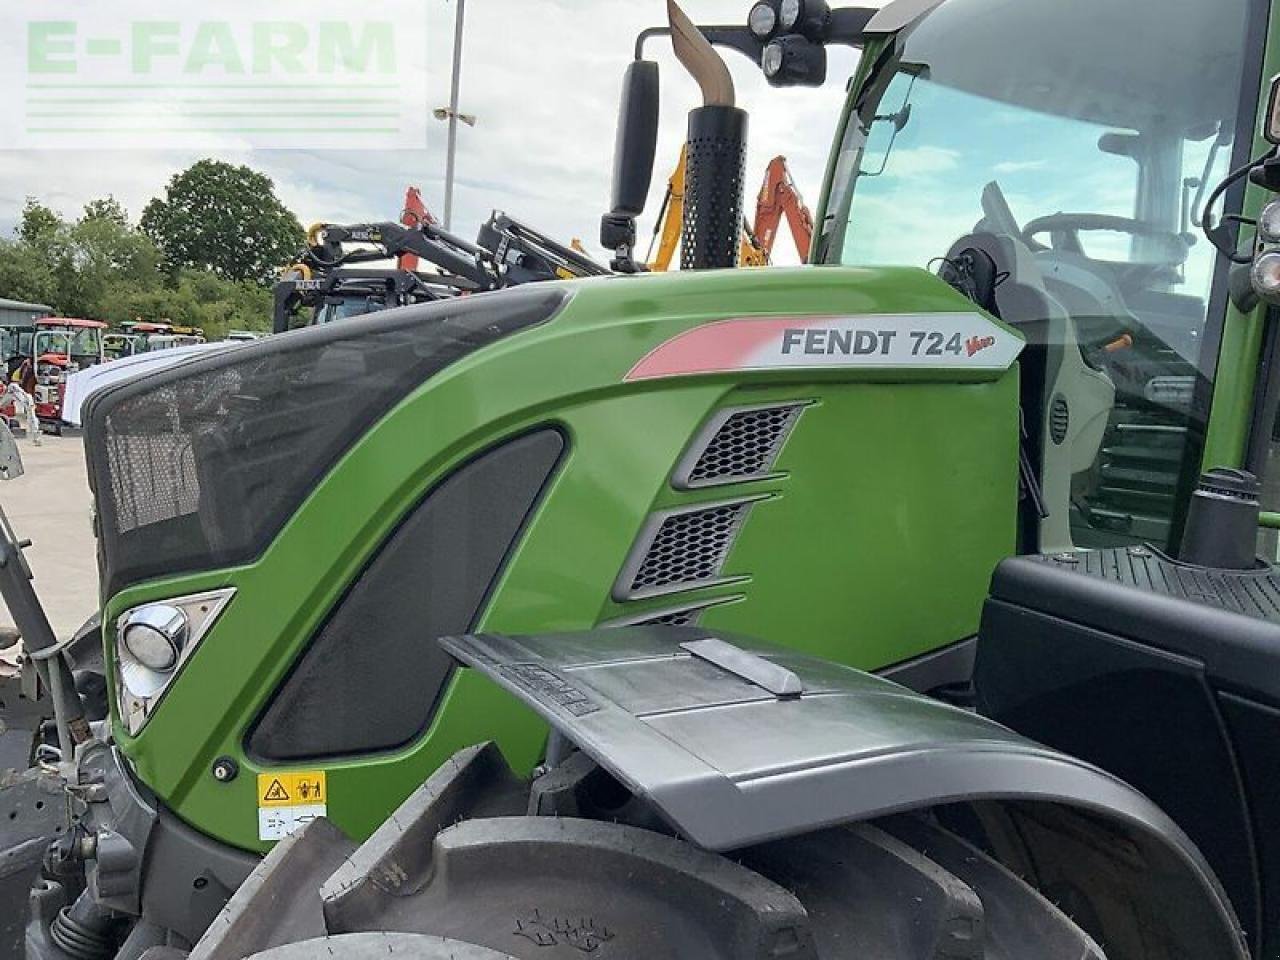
(152, 644)
(762, 20)
(1269, 223)
(1265, 269)
(1266, 276)
(789, 14)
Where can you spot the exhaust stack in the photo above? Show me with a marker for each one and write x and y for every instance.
(717, 153)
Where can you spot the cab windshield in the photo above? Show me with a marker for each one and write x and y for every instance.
(82, 345)
(1073, 145)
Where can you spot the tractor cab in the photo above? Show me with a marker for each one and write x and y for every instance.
(1054, 162)
(15, 345)
(117, 346)
(186, 336)
(61, 346)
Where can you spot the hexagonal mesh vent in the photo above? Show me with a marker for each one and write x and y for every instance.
(676, 618)
(745, 446)
(689, 547)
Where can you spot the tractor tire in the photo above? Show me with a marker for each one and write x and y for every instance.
(461, 860)
(376, 946)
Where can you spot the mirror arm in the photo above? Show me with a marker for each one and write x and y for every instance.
(846, 27)
(735, 38)
(1266, 173)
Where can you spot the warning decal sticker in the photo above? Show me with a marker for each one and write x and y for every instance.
(289, 801)
(925, 340)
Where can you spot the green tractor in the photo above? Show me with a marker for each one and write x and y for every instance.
(654, 616)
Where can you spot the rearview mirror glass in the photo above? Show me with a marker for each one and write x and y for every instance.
(637, 141)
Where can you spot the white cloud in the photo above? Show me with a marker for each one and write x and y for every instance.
(921, 161)
(1018, 166)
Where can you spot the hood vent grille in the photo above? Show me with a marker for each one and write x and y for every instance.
(682, 549)
(685, 616)
(736, 446)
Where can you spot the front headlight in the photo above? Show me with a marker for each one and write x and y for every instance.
(1266, 276)
(153, 642)
(1269, 223)
(153, 636)
(762, 20)
(790, 14)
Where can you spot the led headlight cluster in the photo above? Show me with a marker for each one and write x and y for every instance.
(152, 643)
(792, 34)
(1265, 272)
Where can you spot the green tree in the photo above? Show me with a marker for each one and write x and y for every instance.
(107, 208)
(103, 268)
(40, 227)
(223, 218)
(25, 274)
(195, 298)
(106, 254)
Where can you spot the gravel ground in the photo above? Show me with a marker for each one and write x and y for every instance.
(51, 506)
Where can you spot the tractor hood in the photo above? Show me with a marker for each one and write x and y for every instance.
(253, 429)
(250, 429)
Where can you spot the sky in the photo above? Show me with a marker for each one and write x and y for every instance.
(543, 78)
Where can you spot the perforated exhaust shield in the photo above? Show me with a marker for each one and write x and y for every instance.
(717, 152)
(199, 466)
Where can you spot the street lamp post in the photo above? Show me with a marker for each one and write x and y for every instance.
(453, 116)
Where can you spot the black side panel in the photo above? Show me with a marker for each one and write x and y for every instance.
(372, 676)
(1254, 727)
(199, 466)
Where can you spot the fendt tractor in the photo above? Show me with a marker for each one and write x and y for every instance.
(904, 605)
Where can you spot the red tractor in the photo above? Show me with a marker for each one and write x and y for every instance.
(60, 346)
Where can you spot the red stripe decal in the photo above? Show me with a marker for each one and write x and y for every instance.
(717, 347)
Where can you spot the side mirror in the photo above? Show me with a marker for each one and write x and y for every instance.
(637, 141)
(633, 156)
(1271, 120)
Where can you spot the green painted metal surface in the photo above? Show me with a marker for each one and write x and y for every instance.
(894, 498)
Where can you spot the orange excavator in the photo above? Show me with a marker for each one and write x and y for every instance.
(415, 214)
(778, 197)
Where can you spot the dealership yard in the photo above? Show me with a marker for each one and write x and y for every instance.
(51, 506)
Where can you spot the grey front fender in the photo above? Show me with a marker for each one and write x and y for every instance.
(714, 735)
